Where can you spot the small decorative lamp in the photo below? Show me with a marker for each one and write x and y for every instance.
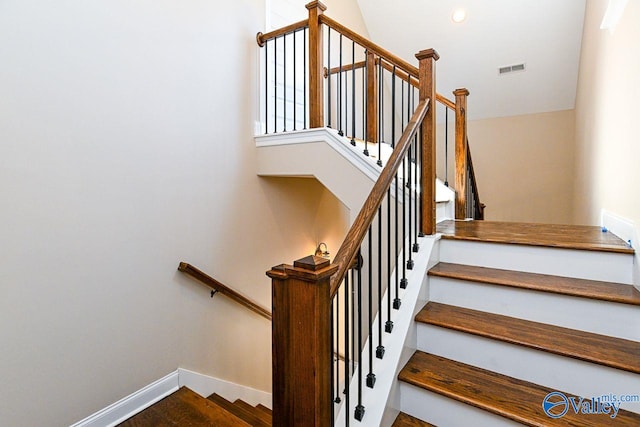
(320, 252)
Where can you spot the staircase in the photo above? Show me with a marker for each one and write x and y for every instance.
(187, 408)
(518, 311)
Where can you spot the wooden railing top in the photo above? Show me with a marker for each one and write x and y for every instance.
(370, 46)
(263, 38)
(224, 290)
(349, 248)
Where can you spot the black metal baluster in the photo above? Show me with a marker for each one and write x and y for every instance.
(266, 88)
(353, 93)
(284, 83)
(275, 85)
(421, 191)
(346, 350)
(333, 352)
(371, 378)
(340, 131)
(380, 348)
(416, 229)
(304, 78)
(408, 186)
(359, 412)
(353, 319)
(388, 326)
(294, 81)
(329, 77)
(336, 398)
(403, 281)
(396, 301)
(380, 111)
(446, 145)
(366, 100)
(364, 125)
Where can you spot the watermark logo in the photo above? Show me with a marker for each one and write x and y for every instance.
(556, 404)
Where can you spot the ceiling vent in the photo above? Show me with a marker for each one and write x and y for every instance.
(511, 68)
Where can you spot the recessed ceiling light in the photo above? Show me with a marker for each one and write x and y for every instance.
(459, 15)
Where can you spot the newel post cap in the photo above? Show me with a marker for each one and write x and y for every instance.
(309, 269)
(427, 53)
(315, 4)
(461, 92)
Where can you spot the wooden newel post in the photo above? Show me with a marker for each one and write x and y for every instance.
(461, 152)
(427, 79)
(316, 71)
(301, 343)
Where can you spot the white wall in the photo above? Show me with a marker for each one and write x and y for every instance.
(126, 147)
(607, 111)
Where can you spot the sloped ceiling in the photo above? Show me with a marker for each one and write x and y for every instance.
(544, 34)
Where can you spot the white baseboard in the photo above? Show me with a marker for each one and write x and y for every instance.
(627, 231)
(204, 385)
(132, 404)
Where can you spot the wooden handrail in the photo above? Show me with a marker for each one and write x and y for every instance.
(369, 45)
(347, 252)
(209, 281)
(263, 38)
(399, 73)
(446, 101)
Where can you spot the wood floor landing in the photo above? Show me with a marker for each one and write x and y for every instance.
(515, 399)
(550, 235)
(603, 291)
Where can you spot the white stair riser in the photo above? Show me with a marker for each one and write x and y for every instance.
(600, 317)
(442, 411)
(557, 372)
(605, 266)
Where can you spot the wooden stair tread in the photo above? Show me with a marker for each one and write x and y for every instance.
(580, 237)
(608, 351)
(238, 411)
(184, 408)
(604, 291)
(264, 409)
(406, 420)
(266, 418)
(511, 398)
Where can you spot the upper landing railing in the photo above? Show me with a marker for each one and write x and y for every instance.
(318, 73)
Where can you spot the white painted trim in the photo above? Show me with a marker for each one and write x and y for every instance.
(206, 385)
(132, 404)
(628, 231)
(329, 136)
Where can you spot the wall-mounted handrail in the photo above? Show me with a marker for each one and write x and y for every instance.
(288, 29)
(209, 281)
(349, 248)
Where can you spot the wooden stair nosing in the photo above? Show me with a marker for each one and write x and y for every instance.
(508, 397)
(266, 418)
(238, 411)
(600, 349)
(406, 420)
(593, 289)
(184, 407)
